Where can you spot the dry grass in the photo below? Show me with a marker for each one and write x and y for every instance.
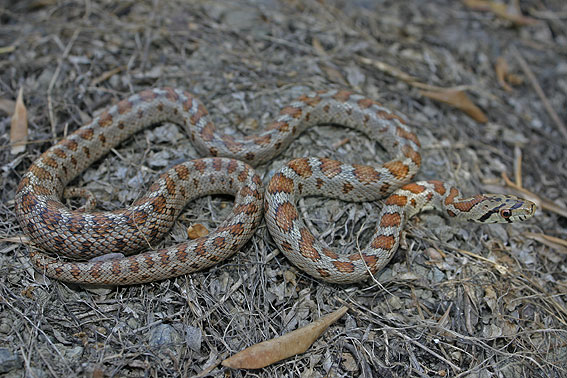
(458, 300)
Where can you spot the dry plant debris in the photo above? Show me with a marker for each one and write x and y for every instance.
(271, 351)
(19, 126)
(456, 301)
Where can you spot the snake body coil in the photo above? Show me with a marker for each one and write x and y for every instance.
(84, 235)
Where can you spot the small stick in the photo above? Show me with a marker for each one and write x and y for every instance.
(560, 125)
(545, 204)
(518, 166)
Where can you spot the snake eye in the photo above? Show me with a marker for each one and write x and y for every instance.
(505, 213)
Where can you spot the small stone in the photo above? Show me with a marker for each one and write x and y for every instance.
(163, 334)
(193, 338)
(8, 360)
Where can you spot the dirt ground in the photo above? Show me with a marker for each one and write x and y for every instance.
(457, 300)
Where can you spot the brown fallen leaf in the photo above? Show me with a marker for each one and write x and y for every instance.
(197, 231)
(557, 244)
(318, 47)
(274, 350)
(502, 10)
(459, 100)
(501, 68)
(333, 74)
(19, 126)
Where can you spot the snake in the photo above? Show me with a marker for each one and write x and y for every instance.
(71, 245)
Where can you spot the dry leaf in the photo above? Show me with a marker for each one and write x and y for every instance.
(19, 126)
(274, 350)
(459, 100)
(318, 47)
(557, 244)
(333, 74)
(501, 69)
(502, 10)
(197, 231)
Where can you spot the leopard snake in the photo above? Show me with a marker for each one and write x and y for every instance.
(84, 235)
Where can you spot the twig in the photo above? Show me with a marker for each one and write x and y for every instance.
(545, 204)
(518, 166)
(560, 125)
(54, 79)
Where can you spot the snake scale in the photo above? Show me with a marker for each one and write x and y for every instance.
(84, 235)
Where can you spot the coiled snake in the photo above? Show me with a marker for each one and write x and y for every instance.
(77, 234)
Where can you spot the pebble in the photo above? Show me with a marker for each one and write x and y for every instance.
(9, 361)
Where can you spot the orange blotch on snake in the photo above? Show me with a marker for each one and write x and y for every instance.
(330, 168)
(390, 220)
(383, 242)
(389, 116)
(397, 200)
(164, 257)
(398, 169)
(330, 253)
(124, 106)
(323, 272)
(50, 162)
(201, 112)
(291, 111)
(170, 185)
(148, 95)
(407, 134)
(105, 119)
(217, 164)
(306, 245)
(60, 153)
(301, 167)
(366, 174)
(466, 206)
(310, 101)
(200, 166)
(182, 171)
(280, 184)
(412, 154)
(232, 166)
(414, 188)
(171, 94)
(69, 144)
(281, 126)
(188, 104)
(453, 192)
(207, 132)
(344, 266)
(116, 268)
(231, 144)
(285, 214)
(85, 133)
(342, 95)
(249, 209)
(41, 173)
(365, 103)
(242, 176)
(347, 187)
(181, 253)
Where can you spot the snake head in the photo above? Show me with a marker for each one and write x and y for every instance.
(500, 208)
